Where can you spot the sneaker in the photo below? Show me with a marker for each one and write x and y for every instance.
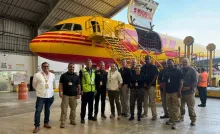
(154, 118)
(73, 122)
(92, 119)
(193, 123)
(139, 119)
(144, 116)
(131, 118)
(201, 105)
(164, 117)
(168, 122)
(62, 125)
(173, 126)
(112, 116)
(103, 116)
(82, 121)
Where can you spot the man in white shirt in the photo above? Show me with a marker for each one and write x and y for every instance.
(43, 84)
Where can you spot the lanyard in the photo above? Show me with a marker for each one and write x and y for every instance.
(111, 73)
(101, 74)
(70, 76)
(46, 77)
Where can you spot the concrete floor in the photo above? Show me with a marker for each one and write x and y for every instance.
(16, 117)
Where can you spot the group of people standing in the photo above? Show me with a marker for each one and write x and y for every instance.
(178, 86)
(124, 86)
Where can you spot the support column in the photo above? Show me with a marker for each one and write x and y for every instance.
(188, 41)
(211, 47)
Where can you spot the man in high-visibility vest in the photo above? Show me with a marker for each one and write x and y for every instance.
(202, 87)
(87, 76)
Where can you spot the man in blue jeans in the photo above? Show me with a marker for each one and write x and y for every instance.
(43, 83)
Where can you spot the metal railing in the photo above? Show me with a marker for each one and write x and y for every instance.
(118, 33)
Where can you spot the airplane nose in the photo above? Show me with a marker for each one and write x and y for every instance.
(39, 45)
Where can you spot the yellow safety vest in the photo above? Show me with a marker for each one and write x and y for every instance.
(88, 81)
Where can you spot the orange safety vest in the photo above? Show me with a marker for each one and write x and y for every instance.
(204, 81)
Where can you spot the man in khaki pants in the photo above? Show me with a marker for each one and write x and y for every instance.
(124, 91)
(162, 91)
(190, 78)
(69, 90)
(173, 82)
(151, 72)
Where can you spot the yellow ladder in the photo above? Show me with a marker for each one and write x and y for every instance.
(112, 41)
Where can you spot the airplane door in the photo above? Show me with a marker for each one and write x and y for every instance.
(95, 26)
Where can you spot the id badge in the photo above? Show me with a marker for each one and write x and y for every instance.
(70, 83)
(46, 86)
(169, 80)
(136, 84)
(100, 83)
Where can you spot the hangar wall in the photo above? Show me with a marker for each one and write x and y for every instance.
(12, 65)
(15, 37)
(16, 60)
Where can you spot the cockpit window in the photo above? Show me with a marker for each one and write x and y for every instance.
(57, 27)
(67, 27)
(77, 27)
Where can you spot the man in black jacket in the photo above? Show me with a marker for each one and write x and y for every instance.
(100, 83)
(124, 92)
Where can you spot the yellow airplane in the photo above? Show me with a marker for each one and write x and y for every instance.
(102, 39)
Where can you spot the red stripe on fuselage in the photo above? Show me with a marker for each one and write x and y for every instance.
(68, 34)
(59, 37)
(59, 41)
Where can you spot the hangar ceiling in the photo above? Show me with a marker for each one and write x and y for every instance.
(26, 11)
(45, 13)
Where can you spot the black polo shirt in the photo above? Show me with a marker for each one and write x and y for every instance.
(172, 79)
(133, 71)
(126, 75)
(69, 82)
(100, 79)
(150, 71)
(138, 81)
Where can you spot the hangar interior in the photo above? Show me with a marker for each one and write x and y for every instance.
(21, 21)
